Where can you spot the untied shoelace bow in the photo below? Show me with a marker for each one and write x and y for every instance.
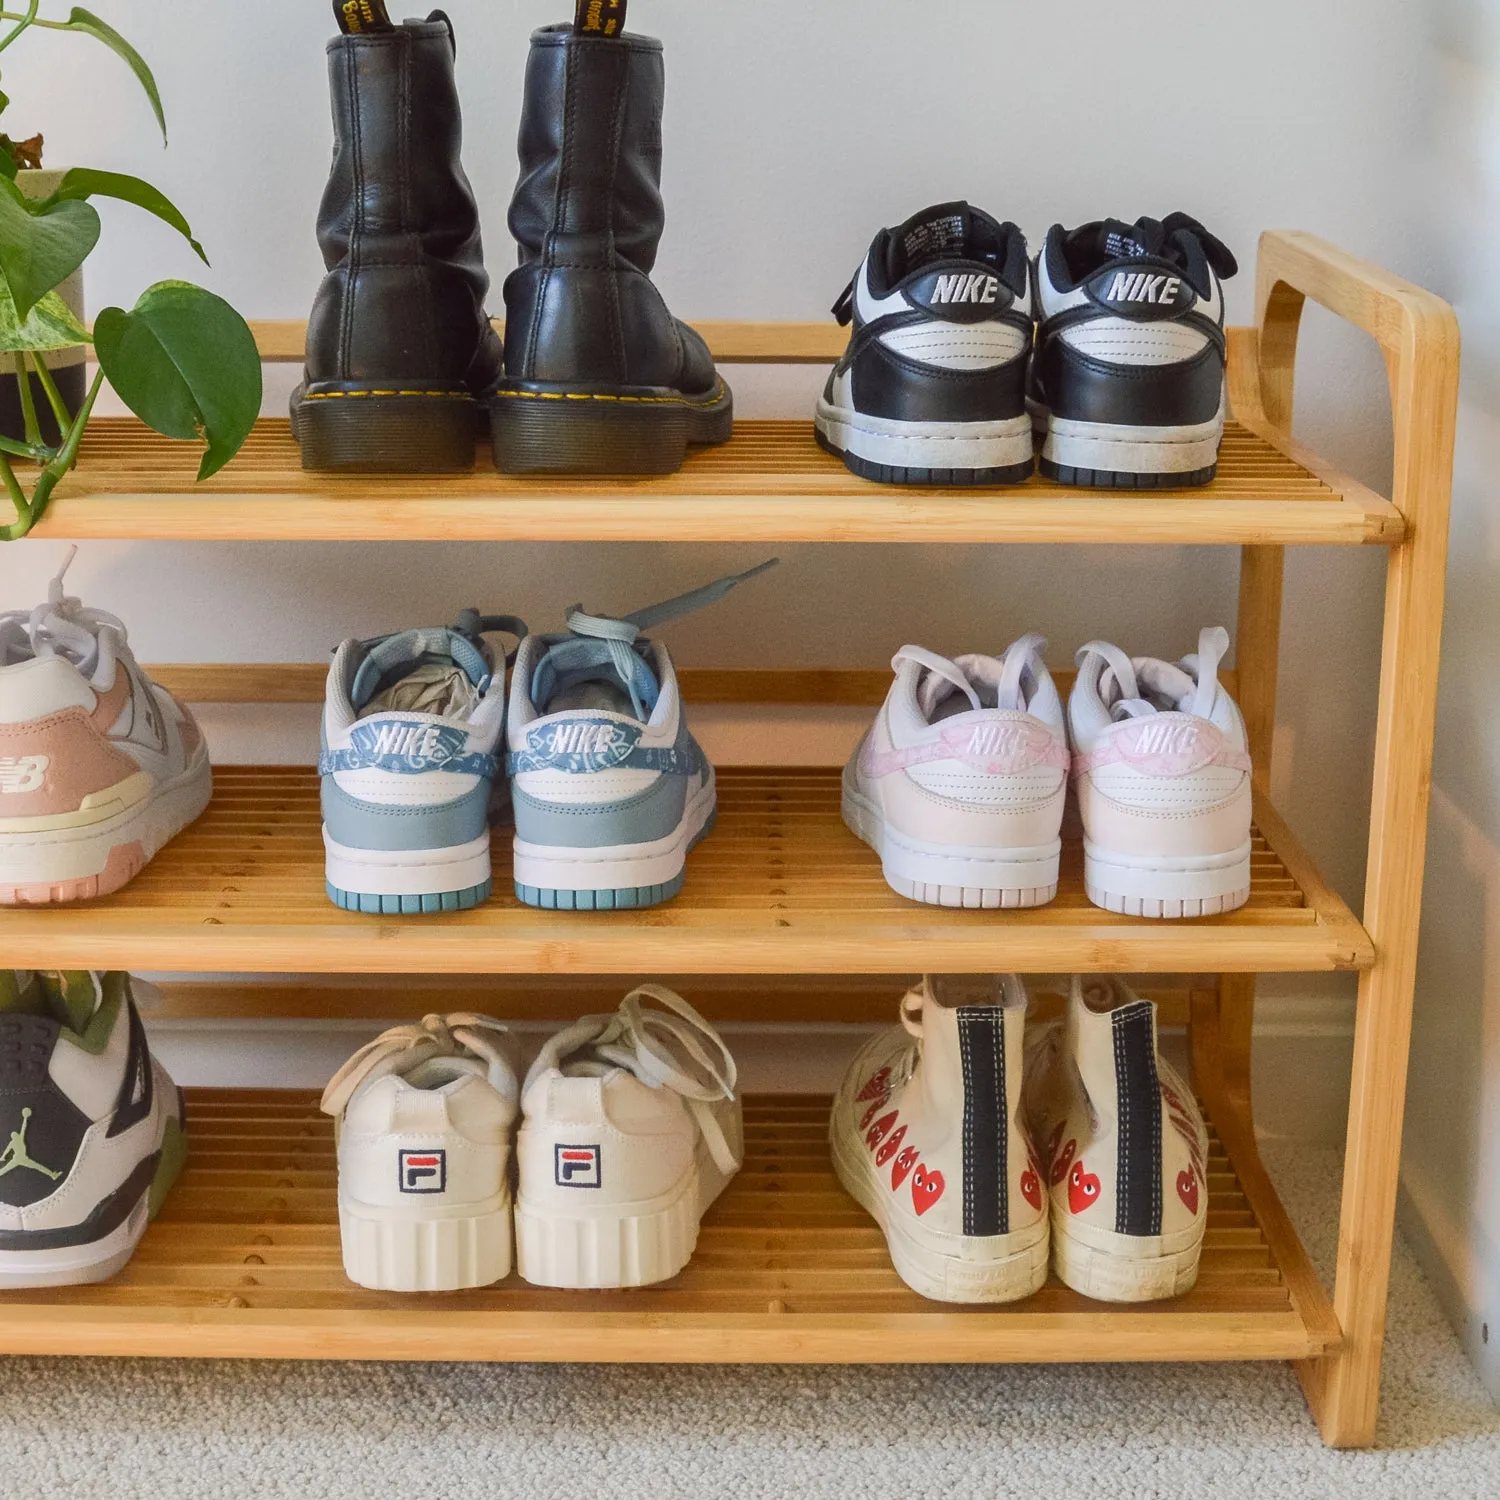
(62, 626)
(1213, 643)
(619, 637)
(641, 1041)
(403, 1048)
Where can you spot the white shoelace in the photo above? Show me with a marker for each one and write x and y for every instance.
(1120, 674)
(403, 1048)
(671, 1048)
(63, 626)
(1008, 677)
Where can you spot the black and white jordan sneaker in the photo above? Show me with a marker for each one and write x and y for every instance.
(91, 1127)
(1127, 382)
(931, 389)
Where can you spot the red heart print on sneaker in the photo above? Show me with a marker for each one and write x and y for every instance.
(901, 1166)
(1083, 1188)
(1187, 1189)
(1061, 1163)
(871, 1112)
(890, 1146)
(876, 1133)
(926, 1189)
(875, 1087)
(1031, 1187)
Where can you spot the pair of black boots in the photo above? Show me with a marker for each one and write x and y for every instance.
(404, 372)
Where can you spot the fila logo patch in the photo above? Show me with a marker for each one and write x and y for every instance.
(1142, 286)
(423, 1171)
(22, 773)
(966, 287)
(576, 1166)
(1167, 739)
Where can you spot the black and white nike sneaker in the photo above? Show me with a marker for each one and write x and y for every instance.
(931, 389)
(91, 1134)
(1127, 382)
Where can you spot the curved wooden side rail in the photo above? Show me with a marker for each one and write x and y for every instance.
(1418, 335)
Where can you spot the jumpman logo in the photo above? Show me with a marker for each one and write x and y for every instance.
(16, 1155)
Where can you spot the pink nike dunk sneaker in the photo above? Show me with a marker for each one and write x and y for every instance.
(99, 767)
(959, 783)
(1162, 771)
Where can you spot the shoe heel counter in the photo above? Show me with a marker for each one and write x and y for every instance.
(1129, 392)
(54, 754)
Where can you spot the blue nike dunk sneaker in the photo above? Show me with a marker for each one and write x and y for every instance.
(412, 725)
(609, 789)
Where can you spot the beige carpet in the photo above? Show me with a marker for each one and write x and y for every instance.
(161, 1430)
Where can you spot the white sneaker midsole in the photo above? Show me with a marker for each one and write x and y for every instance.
(1128, 449)
(74, 851)
(926, 445)
(966, 866)
(407, 872)
(76, 1265)
(426, 1248)
(1183, 877)
(613, 867)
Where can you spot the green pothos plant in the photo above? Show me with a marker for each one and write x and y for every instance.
(181, 359)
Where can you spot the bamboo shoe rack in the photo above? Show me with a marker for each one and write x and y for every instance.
(784, 916)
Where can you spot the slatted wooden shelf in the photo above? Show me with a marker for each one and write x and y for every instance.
(781, 886)
(244, 1262)
(131, 483)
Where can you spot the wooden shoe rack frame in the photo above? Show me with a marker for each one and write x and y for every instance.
(784, 916)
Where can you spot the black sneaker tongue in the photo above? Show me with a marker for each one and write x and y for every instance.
(358, 17)
(599, 18)
(1120, 241)
(932, 235)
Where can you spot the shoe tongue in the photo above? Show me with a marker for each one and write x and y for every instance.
(579, 673)
(359, 17)
(1117, 240)
(420, 666)
(69, 997)
(938, 233)
(996, 684)
(1164, 685)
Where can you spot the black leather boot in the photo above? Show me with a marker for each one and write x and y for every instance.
(400, 353)
(599, 377)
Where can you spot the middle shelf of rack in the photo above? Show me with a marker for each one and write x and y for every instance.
(780, 887)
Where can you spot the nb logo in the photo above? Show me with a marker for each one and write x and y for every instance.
(576, 1166)
(1142, 286)
(423, 1171)
(1167, 739)
(966, 287)
(24, 773)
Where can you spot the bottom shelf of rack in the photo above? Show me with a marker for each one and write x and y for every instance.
(244, 1262)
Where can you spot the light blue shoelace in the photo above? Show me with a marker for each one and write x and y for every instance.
(391, 657)
(598, 645)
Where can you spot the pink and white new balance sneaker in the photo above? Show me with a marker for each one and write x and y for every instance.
(1162, 770)
(1125, 1148)
(99, 767)
(927, 1136)
(959, 784)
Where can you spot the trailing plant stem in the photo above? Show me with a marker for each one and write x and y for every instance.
(60, 411)
(29, 19)
(29, 513)
(32, 428)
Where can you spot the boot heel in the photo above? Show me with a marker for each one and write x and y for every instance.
(572, 431)
(357, 433)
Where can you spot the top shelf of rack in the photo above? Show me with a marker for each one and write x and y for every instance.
(771, 483)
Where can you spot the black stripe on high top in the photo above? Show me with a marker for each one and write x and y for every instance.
(1138, 1112)
(981, 1048)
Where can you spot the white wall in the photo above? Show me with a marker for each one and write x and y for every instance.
(793, 131)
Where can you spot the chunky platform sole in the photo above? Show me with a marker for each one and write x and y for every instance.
(79, 862)
(81, 1265)
(1119, 1272)
(1107, 456)
(626, 1245)
(564, 429)
(617, 877)
(1185, 886)
(953, 874)
(407, 882)
(945, 1268)
(372, 431)
(397, 1250)
(936, 453)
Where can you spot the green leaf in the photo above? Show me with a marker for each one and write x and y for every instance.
(90, 24)
(41, 244)
(9, 166)
(85, 182)
(186, 364)
(51, 325)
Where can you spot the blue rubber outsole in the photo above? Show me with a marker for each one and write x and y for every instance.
(624, 898)
(409, 906)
